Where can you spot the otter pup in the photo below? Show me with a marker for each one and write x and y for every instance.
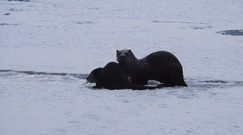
(161, 66)
(112, 77)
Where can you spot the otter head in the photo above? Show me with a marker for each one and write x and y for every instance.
(125, 55)
(94, 75)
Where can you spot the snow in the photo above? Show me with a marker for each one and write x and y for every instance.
(78, 36)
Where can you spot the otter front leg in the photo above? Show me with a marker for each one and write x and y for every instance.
(98, 85)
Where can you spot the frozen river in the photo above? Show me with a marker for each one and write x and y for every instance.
(48, 47)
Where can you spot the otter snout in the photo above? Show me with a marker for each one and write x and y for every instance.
(90, 79)
(121, 58)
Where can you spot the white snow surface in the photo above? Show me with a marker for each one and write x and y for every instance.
(76, 36)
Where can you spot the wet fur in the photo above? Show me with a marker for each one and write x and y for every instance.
(112, 77)
(161, 66)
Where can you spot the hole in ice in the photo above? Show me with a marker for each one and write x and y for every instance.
(15, 72)
(20, 0)
(84, 22)
(8, 24)
(206, 84)
(231, 32)
(192, 83)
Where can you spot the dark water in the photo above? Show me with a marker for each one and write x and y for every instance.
(80, 76)
(192, 83)
(20, 0)
(231, 32)
(207, 84)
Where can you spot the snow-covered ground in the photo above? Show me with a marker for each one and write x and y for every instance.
(76, 36)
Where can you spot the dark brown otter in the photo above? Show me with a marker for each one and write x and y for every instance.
(161, 66)
(112, 77)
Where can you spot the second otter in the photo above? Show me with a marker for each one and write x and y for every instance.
(112, 77)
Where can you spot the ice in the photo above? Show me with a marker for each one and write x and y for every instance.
(47, 47)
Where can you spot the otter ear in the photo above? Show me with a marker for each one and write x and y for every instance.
(118, 52)
(130, 50)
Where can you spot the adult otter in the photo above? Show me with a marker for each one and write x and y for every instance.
(161, 66)
(112, 77)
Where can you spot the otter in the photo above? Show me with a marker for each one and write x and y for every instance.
(112, 77)
(161, 66)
